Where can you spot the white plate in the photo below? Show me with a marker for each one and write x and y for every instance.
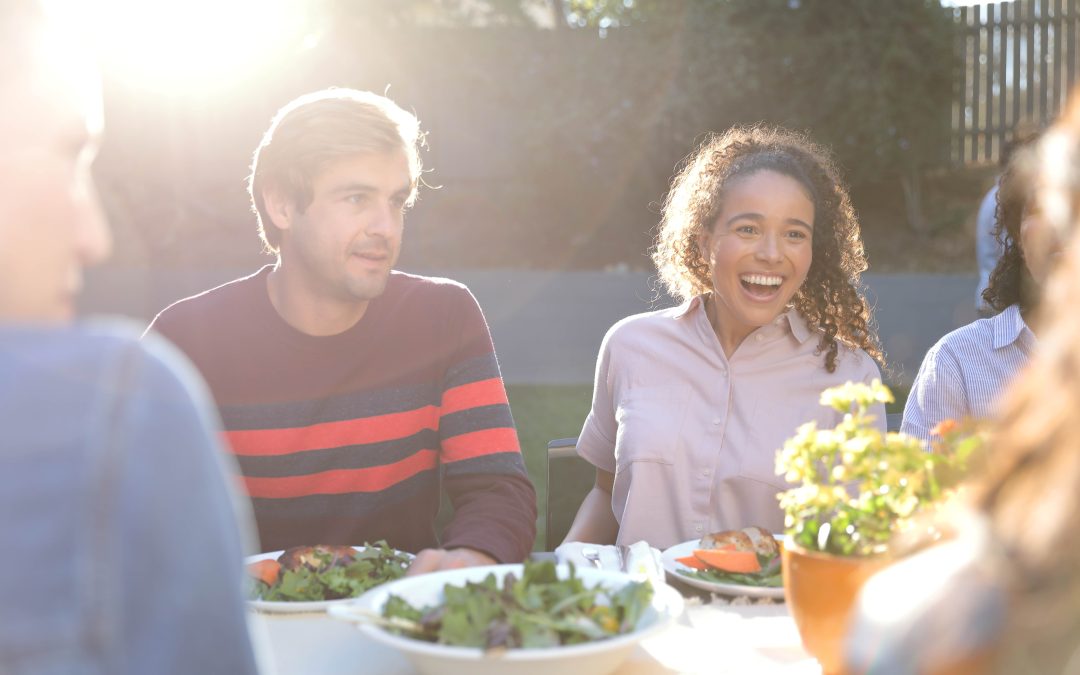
(286, 607)
(675, 569)
(602, 656)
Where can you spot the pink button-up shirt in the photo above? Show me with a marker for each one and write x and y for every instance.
(692, 435)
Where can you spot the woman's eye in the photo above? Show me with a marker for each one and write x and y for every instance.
(797, 234)
(746, 229)
(356, 199)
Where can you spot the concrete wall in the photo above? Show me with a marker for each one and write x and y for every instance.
(547, 325)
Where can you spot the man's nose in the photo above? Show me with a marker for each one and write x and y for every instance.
(384, 221)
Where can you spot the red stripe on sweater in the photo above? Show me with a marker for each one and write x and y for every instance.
(266, 442)
(473, 395)
(342, 481)
(480, 443)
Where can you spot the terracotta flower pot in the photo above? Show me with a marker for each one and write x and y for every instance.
(820, 590)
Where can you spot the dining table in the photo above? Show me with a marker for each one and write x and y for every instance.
(715, 635)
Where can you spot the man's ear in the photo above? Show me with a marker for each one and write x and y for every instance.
(279, 207)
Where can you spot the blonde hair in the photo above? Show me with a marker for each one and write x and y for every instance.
(312, 131)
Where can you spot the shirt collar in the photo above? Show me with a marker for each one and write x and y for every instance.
(794, 321)
(1009, 327)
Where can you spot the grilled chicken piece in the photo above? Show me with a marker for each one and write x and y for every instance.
(756, 539)
(309, 556)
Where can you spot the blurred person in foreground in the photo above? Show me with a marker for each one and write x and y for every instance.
(760, 242)
(965, 372)
(1003, 595)
(350, 391)
(122, 548)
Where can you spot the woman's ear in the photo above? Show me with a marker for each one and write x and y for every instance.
(279, 207)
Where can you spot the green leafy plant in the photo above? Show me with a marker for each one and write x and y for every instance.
(857, 485)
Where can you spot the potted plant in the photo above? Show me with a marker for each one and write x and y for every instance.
(855, 488)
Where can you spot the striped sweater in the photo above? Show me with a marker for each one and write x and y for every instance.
(347, 438)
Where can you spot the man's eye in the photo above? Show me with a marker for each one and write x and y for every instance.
(797, 234)
(356, 199)
(746, 229)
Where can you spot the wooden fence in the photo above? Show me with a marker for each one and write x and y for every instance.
(1019, 60)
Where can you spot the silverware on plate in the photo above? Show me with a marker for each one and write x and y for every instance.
(593, 555)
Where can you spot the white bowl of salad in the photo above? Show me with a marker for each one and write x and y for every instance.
(313, 578)
(514, 619)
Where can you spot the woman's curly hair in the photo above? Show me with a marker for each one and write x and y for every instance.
(1010, 282)
(828, 299)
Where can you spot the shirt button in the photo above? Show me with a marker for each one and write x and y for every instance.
(698, 528)
(705, 472)
(759, 337)
(716, 420)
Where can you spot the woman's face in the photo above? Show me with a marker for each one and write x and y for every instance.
(759, 249)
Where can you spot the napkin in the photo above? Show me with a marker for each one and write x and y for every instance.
(641, 560)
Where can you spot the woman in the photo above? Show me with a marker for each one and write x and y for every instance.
(760, 243)
(965, 372)
(1004, 595)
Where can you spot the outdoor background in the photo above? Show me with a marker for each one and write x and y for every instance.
(554, 129)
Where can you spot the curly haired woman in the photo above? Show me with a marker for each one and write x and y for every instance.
(760, 243)
(963, 374)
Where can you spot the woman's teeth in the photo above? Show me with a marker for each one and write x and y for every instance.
(762, 279)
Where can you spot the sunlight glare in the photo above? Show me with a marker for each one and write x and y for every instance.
(165, 44)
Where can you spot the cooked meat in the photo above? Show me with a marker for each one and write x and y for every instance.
(756, 539)
(764, 543)
(310, 557)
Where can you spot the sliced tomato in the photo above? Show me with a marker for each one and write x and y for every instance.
(691, 561)
(266, 571)
(744, 562)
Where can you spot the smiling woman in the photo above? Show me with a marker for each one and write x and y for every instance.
(164, 45)
(759, 240)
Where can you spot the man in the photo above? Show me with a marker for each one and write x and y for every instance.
(350, 391)
(122, 546)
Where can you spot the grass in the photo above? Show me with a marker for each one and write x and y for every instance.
(543, 413)
(546, 412)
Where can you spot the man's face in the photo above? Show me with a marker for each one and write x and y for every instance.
(345, 243)
(51, 224)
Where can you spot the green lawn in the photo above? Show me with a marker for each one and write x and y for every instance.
(543, 413)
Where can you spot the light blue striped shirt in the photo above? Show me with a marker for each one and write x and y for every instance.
(966, 371)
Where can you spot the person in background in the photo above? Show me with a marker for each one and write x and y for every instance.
(351, 392)
(988, 245)
(122, 544)
(1003, 595)
(963, 375)
(761, 244)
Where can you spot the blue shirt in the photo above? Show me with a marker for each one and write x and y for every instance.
(121, 546)
(964, 374)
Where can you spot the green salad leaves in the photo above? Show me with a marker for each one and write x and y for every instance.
(537, 610)
(375, 564)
